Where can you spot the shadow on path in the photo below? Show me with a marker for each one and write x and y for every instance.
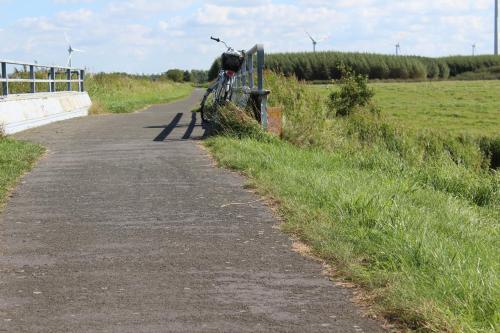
(188, 135)
(191, 126)
(167, 129)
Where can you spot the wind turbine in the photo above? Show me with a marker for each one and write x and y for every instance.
(398, 48)
(474, 49)
(496, 27)
(313, 41)
(71, 50)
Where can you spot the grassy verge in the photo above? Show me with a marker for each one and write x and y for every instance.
(16, 157)
(413, 218)
(120, 93)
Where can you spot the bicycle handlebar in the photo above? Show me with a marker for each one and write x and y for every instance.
(218, 40)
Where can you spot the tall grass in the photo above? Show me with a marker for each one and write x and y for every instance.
(120, 93)
(412, 217)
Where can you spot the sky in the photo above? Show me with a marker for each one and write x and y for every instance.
(151, 36)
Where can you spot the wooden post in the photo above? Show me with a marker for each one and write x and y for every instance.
(274, 121)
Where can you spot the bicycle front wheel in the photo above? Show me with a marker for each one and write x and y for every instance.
(211, 103)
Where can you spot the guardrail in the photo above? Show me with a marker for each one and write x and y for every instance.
(52, 71)
(245, 87)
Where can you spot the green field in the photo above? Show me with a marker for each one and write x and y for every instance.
(455, 107)
(411, 217)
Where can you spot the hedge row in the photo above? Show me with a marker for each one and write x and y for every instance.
(324, 65)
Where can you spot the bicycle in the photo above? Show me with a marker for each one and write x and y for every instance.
(221, 90)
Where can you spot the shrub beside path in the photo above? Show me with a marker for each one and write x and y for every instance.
(126, 226)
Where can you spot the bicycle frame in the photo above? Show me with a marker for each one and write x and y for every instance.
(222, 87)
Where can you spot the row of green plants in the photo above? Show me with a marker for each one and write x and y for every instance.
(322, 66)
(410, 216)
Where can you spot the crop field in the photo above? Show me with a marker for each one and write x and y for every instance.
(456, 107)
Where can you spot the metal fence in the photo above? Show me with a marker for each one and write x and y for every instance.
(245, 89)
(30, 72)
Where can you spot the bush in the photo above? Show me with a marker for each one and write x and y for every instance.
(199, 76)
(175, 75)
(353, 93)
(304, 110)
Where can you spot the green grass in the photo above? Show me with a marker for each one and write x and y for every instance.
(16, 157)
(430, 258)
(455, 107)
(120, 93)
(412, 217)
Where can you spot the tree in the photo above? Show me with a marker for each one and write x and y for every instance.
(214, 70)
(199, 76)
(187, 76)
(175, 75)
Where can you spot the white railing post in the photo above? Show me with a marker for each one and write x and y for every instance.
(5, 79)
(68, 77)
(81, 78)
(33, 79)
(52, 83)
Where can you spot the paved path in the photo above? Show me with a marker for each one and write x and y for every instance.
(125, 227)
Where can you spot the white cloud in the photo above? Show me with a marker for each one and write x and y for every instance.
(150, 36)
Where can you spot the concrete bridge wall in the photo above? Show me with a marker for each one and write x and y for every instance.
(20, 112)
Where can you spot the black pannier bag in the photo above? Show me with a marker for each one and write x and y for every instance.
(232, 61)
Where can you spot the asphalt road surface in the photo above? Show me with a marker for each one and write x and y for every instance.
(126, 226)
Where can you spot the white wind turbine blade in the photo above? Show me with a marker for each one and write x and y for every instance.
(67, 38)
(323, 38)
(77, 50)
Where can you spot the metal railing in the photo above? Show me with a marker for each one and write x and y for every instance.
(51, 72)
(244, 86)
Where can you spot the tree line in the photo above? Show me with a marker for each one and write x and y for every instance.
(179, 75)
(325, 65)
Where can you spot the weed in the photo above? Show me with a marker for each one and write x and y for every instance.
(354, 93)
